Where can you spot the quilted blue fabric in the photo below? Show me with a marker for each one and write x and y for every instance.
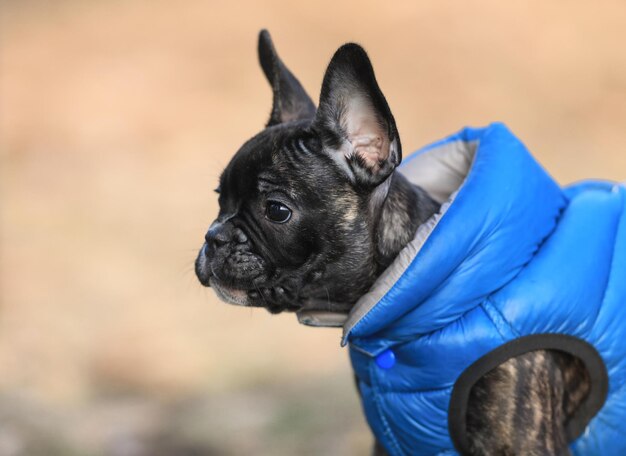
(514, 255)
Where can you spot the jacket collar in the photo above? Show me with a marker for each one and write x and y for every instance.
(486, 231)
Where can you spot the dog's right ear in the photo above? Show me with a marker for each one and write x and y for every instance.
(354, 120)
(291, 102)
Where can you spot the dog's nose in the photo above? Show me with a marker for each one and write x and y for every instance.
(217, 236)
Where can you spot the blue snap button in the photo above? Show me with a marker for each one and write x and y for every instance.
(386, 360)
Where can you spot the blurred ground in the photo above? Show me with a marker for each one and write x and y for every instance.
(116, 118)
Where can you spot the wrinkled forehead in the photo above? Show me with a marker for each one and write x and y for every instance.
(276, 158)
(242, 171)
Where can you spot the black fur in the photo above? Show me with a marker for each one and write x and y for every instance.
(291, 102)
(351, 214)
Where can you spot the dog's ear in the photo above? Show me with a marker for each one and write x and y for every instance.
(354, 119)
(291, 102)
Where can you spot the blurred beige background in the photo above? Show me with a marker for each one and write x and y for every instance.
(116, 118)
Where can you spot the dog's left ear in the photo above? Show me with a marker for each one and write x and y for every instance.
(354, 119)
(291, 101)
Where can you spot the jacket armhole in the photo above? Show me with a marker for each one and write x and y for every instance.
(457, 410)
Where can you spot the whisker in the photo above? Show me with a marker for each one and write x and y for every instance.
(327, 297)
(260, 294)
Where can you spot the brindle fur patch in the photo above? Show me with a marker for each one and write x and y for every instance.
(522, 406)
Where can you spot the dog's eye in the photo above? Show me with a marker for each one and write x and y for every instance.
(277, 212)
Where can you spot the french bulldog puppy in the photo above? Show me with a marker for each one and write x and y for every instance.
(312, 211)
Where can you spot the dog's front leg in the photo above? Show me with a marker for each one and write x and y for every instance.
(518, 408)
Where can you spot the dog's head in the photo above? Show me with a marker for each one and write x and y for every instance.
(298, 201)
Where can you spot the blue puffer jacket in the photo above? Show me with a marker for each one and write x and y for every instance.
(512, 263)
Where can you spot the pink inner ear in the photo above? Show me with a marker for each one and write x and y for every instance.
(373, 149)
(367, 137)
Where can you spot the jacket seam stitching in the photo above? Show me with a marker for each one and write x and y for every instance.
(621, 220)
(387, 429)
(419, 391)
(487, 303)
